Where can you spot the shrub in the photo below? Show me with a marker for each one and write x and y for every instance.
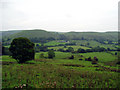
(95, 58)
(80, 59)
(89, 59)
(115, 53)
(72, 57)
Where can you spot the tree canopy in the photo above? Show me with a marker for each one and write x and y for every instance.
(22, 49)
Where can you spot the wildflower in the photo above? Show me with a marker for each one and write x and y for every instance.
(24, 85)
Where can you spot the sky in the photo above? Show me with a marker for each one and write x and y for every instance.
(59, 15)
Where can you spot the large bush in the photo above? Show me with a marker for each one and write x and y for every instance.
(22, 49)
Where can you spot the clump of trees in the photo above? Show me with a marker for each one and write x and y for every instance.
(72, 43)
(51, 54)
(88, 59)
(41, 47)
(22, 49)
(70, 49)
(41, 39)
(80, 50)
(94, 60)
(98, 49)
(61, 50)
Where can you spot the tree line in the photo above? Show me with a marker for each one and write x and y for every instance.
(42, 47)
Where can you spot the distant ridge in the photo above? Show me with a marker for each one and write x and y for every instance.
(38, 33)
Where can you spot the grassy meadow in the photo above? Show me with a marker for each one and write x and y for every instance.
(62, 71)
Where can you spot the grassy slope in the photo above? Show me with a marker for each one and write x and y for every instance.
(48, 73)
(70, 35)
(102, 56)
(93, 35)
(93, 43)
(52, 43)
(34, 33)
(52, 76)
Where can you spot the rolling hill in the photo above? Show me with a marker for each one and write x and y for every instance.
(33, 34)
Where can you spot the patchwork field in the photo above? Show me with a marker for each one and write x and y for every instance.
(74, 47)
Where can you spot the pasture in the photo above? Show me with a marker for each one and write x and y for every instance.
(53, 43)
(73, 46)
(92, 43)
(61, 72)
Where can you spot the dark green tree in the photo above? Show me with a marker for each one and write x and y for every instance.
(115, 53)
(70, 49)
(51, 54)
(22, 49)
(80, 50)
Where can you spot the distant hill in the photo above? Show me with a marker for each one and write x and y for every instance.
(34, 34)
(113, 36)
(7, 36)
(8, 33)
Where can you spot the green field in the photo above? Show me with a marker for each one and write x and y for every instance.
(53, 43)
(74, 47)
(78, 45)
(93, 44)
(60, 72)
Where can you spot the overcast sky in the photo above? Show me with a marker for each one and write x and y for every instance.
(60, 15)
